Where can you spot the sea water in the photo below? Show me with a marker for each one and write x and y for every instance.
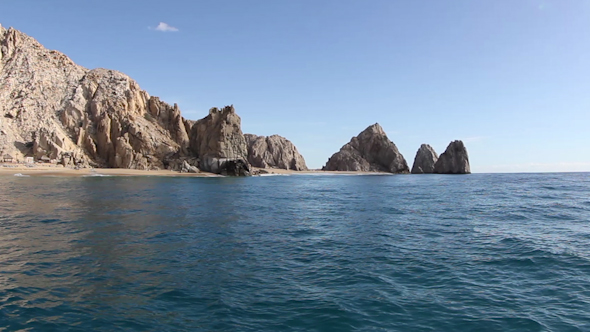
(480, 252)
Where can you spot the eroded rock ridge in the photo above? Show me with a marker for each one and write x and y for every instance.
(52, 109)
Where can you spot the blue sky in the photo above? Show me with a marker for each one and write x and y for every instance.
(509, 78)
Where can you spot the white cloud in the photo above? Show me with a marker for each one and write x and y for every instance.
(165, 27)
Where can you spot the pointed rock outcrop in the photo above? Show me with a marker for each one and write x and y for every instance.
(274, 152)
(370, 151)
(454, 160)
(425, 159)
(219, 143)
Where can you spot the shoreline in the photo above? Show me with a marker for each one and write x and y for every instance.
(46, 170)
(91, 172)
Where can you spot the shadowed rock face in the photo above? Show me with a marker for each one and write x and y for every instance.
(218, 141)
(274, 152)
(454, 160)
(370, 151)
(425, 159)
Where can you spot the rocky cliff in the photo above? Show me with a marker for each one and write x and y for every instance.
(274, 152)
(425, 159)
(454, 160)
(370, 151)
(51, 107)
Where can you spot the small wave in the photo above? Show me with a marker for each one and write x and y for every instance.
(22, 175)
(549, 187)
(511, 261)
(96, 175)
(272, 174)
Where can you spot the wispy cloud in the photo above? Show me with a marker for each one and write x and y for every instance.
(165, 27)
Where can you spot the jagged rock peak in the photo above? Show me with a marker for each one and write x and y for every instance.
(51, 107)
(454, 160)
(370, 151)
(218, 141)
(274, 152)
(425, 159)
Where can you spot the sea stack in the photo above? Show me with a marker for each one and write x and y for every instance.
(370, 151)
(219, 143)
(454, 160)
(425, 160)
(273, 152)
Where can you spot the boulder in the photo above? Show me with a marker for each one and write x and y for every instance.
(370, 151)
(454, 160)
(273, 152)
(425, 159)
(185, 167)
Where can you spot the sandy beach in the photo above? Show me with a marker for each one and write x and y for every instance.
(42, 170)
(52, 170)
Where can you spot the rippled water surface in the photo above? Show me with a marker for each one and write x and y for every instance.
(482, 252)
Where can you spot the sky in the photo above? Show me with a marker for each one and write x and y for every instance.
(509, 78)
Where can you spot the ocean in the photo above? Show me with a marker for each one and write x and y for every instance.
(479, 252)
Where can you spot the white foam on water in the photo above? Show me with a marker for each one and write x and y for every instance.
(22, 175)
(95, 175)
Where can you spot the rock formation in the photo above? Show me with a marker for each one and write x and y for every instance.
(51, 107)
(219, 143)
(454, 160)
(273, 152)
(425, 159)
(370, 151)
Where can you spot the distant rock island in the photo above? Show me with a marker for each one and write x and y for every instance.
(453, 161)
(370, 151)
(53, 110)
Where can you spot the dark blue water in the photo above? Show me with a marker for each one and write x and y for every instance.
(482, 252)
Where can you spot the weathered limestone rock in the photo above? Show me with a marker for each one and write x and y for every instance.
(370, 151)
(454, 160)
(34, 82)
(219, 143)
(109, 109)
(273, 152)
(425, 159)
(51, 107)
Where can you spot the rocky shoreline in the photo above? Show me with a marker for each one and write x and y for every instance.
(54, 111)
